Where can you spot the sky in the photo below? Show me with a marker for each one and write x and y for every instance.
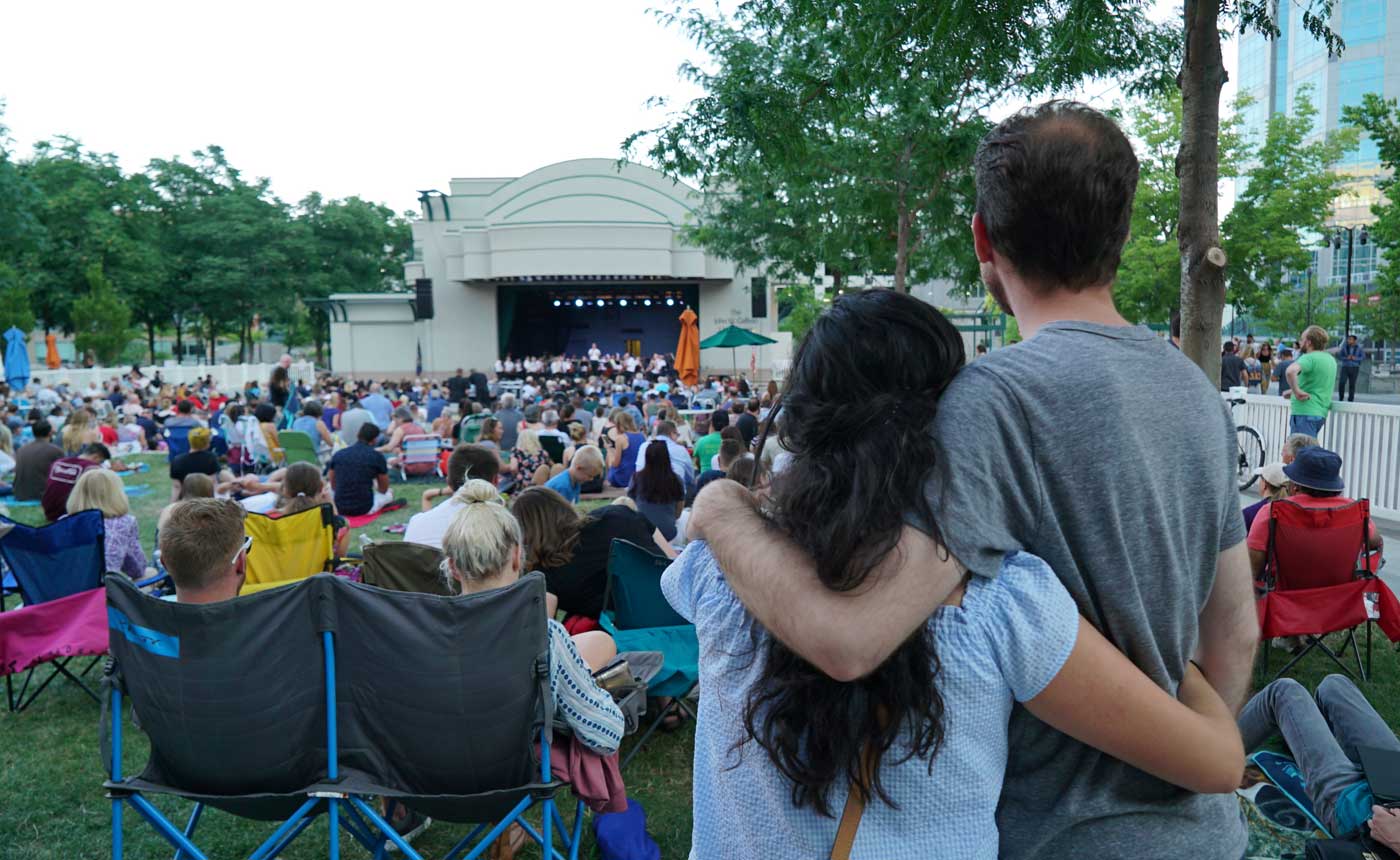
(371, 99)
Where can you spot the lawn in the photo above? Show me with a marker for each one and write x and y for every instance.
(51, 772)
(51, 801)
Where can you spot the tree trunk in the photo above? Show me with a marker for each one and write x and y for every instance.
(151, 340)
(213, 340)
(179, 341)
(1198, 171)
(901, 247)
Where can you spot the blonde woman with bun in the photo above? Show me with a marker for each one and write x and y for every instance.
(482, 545)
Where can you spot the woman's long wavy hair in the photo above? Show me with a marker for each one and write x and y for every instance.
(857, 410)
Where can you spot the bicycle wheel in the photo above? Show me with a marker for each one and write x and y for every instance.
(1251, 455)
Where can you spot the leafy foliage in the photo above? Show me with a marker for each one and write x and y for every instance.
(190, 246)
(842, 133)
(101, 321)
(1380, 118)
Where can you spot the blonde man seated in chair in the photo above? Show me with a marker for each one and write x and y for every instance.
(203, 547)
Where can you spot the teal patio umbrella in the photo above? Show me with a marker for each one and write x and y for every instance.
(16, 358)
(732, 338)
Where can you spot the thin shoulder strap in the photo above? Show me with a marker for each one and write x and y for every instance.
(855, 808)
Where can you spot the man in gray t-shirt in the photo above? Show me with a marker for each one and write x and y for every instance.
(510, 419)
(1042, 448)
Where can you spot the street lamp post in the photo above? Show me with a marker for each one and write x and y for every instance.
(1309, 305)
(1351, 233)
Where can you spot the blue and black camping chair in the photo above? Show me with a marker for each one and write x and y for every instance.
(177, 442)
(453, 739)
(45, 564)
(638, 617)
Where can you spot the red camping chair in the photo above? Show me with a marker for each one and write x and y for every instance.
(1312, 586)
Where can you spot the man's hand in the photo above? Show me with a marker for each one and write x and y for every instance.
(1385, 826)
(1302, 395)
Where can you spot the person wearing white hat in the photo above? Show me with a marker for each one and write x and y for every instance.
(1273, 485)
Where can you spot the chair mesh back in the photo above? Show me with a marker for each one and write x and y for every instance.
(297, 446)
(439, 695)
(230, 694)
(1315, 547)
(402, 566)
(55, 560)
(421, 449)
(289, 548)
(634, 583)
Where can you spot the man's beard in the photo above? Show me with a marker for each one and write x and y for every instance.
(994, 286)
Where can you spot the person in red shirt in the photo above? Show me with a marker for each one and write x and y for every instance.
(64, 473)
(1315, 481)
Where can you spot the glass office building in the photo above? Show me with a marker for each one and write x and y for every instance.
(1274, 72)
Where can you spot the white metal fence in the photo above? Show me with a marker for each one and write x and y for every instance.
(228, 377)
(1366, 435)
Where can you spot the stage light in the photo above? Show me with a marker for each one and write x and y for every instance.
(670, 302)
(557, 303)
(622, 303)
(578, 303)
(600, 303)
(646, 303)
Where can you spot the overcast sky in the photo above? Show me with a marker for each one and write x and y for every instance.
(371, 99)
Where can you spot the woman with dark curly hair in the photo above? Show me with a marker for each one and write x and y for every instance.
(781, 748)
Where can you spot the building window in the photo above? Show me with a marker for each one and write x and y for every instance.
(1306, 46)
(1356, 78)
(1363, 263)
(1362, 21)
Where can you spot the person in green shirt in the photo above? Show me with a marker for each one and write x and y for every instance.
(1311, 381)
(707, 446)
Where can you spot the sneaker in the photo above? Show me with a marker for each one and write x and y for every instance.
(408, 826)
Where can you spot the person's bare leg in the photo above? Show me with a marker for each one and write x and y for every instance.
(541, 476)
(596, 648)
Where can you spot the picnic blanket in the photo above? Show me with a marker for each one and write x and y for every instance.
(362, 520)
(131, 490)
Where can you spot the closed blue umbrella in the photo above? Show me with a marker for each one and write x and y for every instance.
(16, 358)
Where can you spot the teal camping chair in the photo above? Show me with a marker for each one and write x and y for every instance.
(298, 447)
(637, 616)
(470, 430)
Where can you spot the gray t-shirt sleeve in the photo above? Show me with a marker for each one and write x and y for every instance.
(985, 489)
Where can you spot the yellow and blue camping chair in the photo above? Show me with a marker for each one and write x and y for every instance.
(289, 549)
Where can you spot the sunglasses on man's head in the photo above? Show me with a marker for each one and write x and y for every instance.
(246, 547)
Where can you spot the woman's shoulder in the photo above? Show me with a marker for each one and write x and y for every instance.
(1025, 586)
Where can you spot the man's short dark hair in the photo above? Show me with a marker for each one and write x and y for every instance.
(666, 428)
(719, 419)
(472, 461)
(184, 407)
(753, 404)
(729, 451)
(96, 449)
(1055, 185)
(369, 433)
(42, 429)
(1229, 346)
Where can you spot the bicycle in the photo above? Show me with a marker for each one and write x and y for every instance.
(1250, 447)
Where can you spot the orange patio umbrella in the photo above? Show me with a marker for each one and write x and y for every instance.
(688, 348)
(51, 359)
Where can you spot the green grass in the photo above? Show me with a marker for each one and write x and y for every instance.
(51, 800)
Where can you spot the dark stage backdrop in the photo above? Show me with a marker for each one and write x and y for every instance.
(529, 324)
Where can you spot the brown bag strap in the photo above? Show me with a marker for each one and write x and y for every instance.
(855, 808)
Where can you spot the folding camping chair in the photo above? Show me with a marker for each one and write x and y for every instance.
(349, 724)
(289, 548)
(470, 430)
(554, 447)
(1312, 586)
(638, 617)
(403, 566)
(53, 567)
(298, 447)
(418, 450)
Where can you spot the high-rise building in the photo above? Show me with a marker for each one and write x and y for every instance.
(1274, 72)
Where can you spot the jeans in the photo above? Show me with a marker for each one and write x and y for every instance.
(1322, 735)
(1347, 382)
(1308, 425)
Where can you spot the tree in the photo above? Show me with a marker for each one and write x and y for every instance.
(1380, 118)
(1149, 276)
(1283, 207)
(798, 309)
(842, 133)
(101, 321)
(1198, 160)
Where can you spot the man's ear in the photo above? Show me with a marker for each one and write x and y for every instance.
(981, 244)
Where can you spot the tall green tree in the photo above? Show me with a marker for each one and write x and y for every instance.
(842, 133)
(1198, 160)
(1283, 206)
(1380, 119)
(101, 321)
(1149, 278)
